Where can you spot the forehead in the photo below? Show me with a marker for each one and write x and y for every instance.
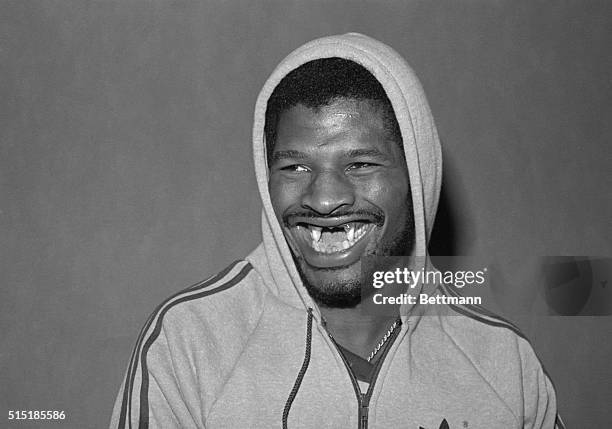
(344, 118)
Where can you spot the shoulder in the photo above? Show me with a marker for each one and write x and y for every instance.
(231, 299)
(208, 323)
(500, 353)
(485, 337)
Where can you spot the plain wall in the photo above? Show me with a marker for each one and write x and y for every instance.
(125, 167)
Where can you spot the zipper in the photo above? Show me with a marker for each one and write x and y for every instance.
(363, 411)
(362, 423)
(363, 399)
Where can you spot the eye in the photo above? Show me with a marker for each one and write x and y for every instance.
(295, 168)
(361, 165)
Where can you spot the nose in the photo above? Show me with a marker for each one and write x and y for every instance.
(328, 192)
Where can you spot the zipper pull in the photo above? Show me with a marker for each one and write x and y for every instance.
(363, 422)
(364, 418)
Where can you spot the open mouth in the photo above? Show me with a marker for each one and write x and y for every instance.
(332, 238)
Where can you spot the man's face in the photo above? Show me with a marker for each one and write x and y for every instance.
(340, 190)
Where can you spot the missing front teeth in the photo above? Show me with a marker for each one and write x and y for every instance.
(336, 238)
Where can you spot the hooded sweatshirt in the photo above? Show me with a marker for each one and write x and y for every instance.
(248, 347)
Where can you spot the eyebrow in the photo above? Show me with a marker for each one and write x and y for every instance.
(288, 154)
(355, 153)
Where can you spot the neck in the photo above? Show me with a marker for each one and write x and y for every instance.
(356, 330)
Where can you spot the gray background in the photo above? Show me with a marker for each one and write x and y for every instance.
(125, 167)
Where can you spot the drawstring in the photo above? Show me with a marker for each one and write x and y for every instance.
(300, 376)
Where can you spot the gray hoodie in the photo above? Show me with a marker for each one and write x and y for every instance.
(247, 348)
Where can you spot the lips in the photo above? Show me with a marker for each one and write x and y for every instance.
(331, 242)
(332, 239)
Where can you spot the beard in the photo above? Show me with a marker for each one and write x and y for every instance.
(347, 293)
(333, 294)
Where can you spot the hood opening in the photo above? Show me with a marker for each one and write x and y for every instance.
(420, 143)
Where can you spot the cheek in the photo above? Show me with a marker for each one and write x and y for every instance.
(284, 194)
(388, 193)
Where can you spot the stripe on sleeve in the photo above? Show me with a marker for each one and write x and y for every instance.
(481, 314)
(126, 404)
(144, 384)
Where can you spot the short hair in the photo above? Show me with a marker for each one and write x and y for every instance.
(319, 83)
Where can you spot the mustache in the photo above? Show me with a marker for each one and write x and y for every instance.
(376, 216)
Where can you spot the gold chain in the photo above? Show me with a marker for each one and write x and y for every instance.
(383, 341)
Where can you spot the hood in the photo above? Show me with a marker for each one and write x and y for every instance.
(419, 134)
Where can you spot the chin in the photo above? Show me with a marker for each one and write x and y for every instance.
(336, 287)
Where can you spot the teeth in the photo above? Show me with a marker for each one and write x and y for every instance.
(332, 241)
(316, 233)
(360, 232)
(350, 232)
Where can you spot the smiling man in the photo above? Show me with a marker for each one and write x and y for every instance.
(348, 165)
(338, 178)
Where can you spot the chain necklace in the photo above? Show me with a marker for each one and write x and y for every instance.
(383, 341)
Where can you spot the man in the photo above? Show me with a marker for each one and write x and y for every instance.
(348, 165)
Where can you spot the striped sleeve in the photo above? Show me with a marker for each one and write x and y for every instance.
(539, 396)
(151, 392)
(538, 392)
